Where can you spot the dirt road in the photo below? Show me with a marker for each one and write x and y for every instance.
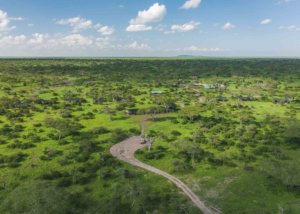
(125, 151)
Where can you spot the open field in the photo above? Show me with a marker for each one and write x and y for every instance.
(228, 128)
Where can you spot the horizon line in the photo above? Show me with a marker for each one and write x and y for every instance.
(153, 57)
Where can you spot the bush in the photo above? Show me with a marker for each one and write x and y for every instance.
(2, 141)
(175, 133)
(13, 164)
(215, 161)
(127, 174)
(65, 182)
(261, 150)
(51, 175)
(100, 130)
(37, 125)
(63, 142)
(44, 197)
(118, 135)
(19, 128)
(50, 153)
(180, 166)
(108, 160)
(89, 116)
(18, 157)
(83, 157)
(154, 155)
(134, 131)
(82, 178)
(64, 162)
(19, 145)
(105, 173)
(292, 133)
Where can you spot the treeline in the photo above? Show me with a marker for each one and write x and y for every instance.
(145, 70)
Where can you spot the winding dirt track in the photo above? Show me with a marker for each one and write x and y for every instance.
(125, 150)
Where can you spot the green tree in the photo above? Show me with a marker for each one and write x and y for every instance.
(63, 127)
(292, 132)
(189, 150)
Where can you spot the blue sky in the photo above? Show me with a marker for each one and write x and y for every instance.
(150, 28)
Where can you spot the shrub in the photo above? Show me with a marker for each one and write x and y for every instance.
(105, 173)
(100, 130)
(215, 161)
(64, 162)
(18, 157)
(154, 155)
(65, 182)
(63, 142)
(119, 135)
(20, 145)
(127, 174)
(2, 141)
(44, 197)
(180, 166)
(175, 133)
(134, 131)
(51, 175)
(50, 153)
(37, 125)
(13, 164)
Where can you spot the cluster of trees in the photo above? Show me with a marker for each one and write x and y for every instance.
(222, 128)
(63, 127)
(13, 160)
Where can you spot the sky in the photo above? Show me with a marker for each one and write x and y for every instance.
(150, 28)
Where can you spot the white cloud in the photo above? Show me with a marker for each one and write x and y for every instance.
(161, 27)
(16, 18)
(198, 49)
(228, 26)
(5, 22)
(155, 13)
(139, 46)
(38, 38)
(103, 43)
(284, 1)
(56, 43)
(190, 4)
(106, 30)
(266, 21)
(30, 25)
(74, 40)
(8, 41)
(77, 23)
(138, 28)
(185, 27)
(290, 28)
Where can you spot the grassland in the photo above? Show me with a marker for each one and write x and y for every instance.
(235, 144)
